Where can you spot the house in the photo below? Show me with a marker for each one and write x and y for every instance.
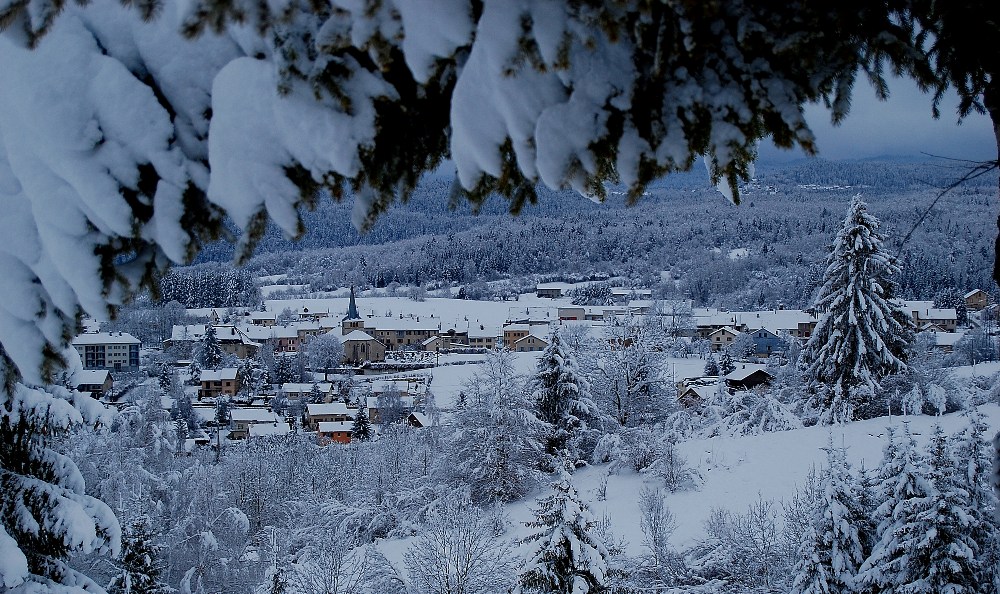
(115, 351)
(334, 432)
(625, 294)
(483, 337)
(550, 290)
(924, 312)
(96, 381)
(767, 343)
(977, 300)
(241, 419)
(513, 333)
(723, 337)
(434, 344)
(219, 382)
(233, 340)
(693, 392)
(303, 391)
(418, 420)
(571, 313)
(263, 318)
(536, 340)
(747, 376)
(360, 346)
(329, 412)
(268, 430)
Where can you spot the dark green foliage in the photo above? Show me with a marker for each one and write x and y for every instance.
(139, 567)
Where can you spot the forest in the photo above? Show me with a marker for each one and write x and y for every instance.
(682, 227)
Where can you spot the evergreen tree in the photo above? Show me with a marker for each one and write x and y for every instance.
(315, 394)
(210, 354)
(138, 567)
(711, 367)
(194, 371)
(903, 490)
(973, 457)
(831, 551)
(254, 376)
(283, 370)
(570, 558)
(726, 365)
(861, 336)
(362, 428)
(941, 553)
(562, 398)
(222, 415)
(166, 378)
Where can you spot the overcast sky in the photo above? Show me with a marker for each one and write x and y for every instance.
(901, 126)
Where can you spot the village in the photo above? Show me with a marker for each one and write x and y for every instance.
(405, 361)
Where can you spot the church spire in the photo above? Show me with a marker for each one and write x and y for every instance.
(352, 308)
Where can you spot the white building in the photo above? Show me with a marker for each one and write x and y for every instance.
(115, 351)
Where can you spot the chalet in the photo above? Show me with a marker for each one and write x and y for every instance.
(946, 341)
(747, 376)
(98, 382)
(694, 392)
(115, 351)
(334, 432)
(418, 420)
(767, 343)
(977, 300)
(924, 312)
(307, 329)
(219, 382)
(360, 347)
(241, 419)
(723, 337)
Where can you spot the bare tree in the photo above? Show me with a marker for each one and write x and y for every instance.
(459, 553)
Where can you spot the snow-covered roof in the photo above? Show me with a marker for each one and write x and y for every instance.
(384, 323)
(430, 340)
(356, 335)
(305, 387)
(268, 429)
(517, 328)
(336, 426)
(329, 408)
(218, 375)
(726, 329)
(774, 320)
(307, 325)
(943, 339)
(90, 377)
(973, 292)
(254, 415)
(550, 286)
(405, 400)
(745, 370)
(421, 418)
(263, 315)
(106, 338)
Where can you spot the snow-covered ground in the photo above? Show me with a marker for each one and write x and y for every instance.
(738, 470)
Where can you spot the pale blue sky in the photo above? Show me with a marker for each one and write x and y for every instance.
(901, 126)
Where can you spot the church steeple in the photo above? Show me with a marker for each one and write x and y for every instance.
(352, 309)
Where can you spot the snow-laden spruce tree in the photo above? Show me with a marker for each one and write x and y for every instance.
(562, 397)
(569, 557)
(861, 336)
(973, 457)
(903, 491)
(45, 512)
(831, 550)
(139, 567)
(941, 552)
(209, 351)
(361, 430)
